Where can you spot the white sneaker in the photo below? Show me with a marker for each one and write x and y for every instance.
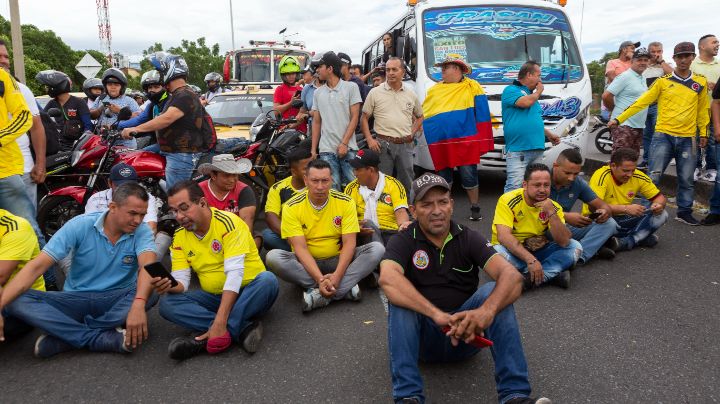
(696, 174)
(354, 295)
(312, 299)
(710, 175)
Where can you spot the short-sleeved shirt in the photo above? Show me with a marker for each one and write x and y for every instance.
(618, 66)
(97, 264)
(240, 197)
(75, 120)
(362, 87)
(523, 128)
(189, 134)
(613, 192)
(711, 70)
(652, 73)
(228, 237)
(121, 101)
(15, 121)
(284, 94)
(306, 96)
(100, 201)
(524, 219)
(393, 110)
(392, 198)
(446, 276)
(334, 104)
(323, 229)
(628, 87)
(568, 195)
(24, 141)
(281, 192)
(18, 243)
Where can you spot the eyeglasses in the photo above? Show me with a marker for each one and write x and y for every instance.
(183, 207)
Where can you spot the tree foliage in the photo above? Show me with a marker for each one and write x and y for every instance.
(596, 69)
(200, 58)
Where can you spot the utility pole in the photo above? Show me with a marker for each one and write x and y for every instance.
(232, 26)
(17, 45)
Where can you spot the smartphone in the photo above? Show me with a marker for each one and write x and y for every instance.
(106, 103)
(593, 215)
(297, 93)
(157, 270)
(479, 342)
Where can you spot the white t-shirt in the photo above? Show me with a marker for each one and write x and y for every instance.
(24, 140)
(100, 201)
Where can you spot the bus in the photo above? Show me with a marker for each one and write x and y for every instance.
(496, 38)
(258, 63)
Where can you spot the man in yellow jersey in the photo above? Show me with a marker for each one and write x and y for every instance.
(618, 184)
(381, 199)
(280, 193)
(235, 290)
(18, 245)
(522, 217)
(682, 101)
(321, 226)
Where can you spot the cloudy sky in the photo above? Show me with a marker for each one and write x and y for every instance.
(339, 25)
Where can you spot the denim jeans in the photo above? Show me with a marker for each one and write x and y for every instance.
(710, 159)
(77, 318)
(468, 175)
(154, 148)
(553, 258)
(342, 173)
(179, 167)
(634, 229)
(14, 327)
(196, 309)
(593, 237)
(413, 336)
(663, 149)
(273, 241)
(228, 145)
(516, 164)
(649, 131)
(31, 190)
(715, 199)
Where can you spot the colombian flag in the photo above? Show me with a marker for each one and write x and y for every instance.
(457, 123)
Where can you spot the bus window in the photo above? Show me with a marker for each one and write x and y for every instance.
(253, 65)
(410, 54)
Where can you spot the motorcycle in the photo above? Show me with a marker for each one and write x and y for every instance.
(603, 140)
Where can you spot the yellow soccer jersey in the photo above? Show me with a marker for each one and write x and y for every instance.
(15, 120)
(615, 193)
(18, 243)
(279, 193)
(525, 220)
(323, 229)
(392, 198)
(228, 237)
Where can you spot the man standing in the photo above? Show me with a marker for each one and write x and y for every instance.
(713, 217)
(430, 275)
(707, 65)
(682, 113)
(522, 217)
(657, 68)
(623, 91)
(523, 125)
(398, 118)
(321, 226)
(338, 108)
(348, 76)
(617, 66)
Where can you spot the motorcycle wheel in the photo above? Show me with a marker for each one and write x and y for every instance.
(56, 210)
(603, 141)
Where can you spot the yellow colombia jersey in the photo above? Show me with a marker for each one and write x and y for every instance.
(615, 193)
(278, 194)
(18, 243)
(392, 198)
(323, 229)
(228, 237)
(513, 211)
(15, 120)
(682, 105)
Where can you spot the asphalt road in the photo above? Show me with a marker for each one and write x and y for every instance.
(640, 329)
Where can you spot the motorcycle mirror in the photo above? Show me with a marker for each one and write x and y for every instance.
(124, 114)
(54, 112)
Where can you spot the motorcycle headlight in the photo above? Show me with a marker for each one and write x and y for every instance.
(77, 150)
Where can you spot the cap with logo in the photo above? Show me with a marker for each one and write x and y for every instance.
(365, 158)
(641, 53)
(121, 173)
(344, 58)
(426, 182)
(684, 48)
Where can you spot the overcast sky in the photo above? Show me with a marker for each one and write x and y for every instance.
(339, 25)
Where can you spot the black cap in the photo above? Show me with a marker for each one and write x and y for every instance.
(628, 43)
(330, 59)
(365, 158)
(426, 182)
(122, 173)
(641, 53)
(684, 48)
(344, 58)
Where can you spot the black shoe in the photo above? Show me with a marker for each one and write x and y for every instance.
(613, 243)
(711, 220)
(687, 218)
(649, 241)
(252, 336)
(529, 400)
(606, 253)
(182, 348)
(562, 280)
(475, 213)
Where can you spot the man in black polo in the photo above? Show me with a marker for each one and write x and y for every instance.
(430, 276)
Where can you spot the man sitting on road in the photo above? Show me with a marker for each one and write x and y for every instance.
(321, 226)
(280, 193)
(567, 188)
(104, 288)
(381, 199)
(224, 190)
(430, 274)
(235, 290)
(618, 184)
(522, 217)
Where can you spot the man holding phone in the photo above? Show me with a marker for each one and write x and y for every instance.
(286, 99)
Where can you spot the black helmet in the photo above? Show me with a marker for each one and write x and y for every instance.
(170, 66)
(149, 78)
(212, 76)
(90, 84)
(114, 75)
(56, 82)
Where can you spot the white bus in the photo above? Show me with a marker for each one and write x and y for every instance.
(496, 38)
(258, 63)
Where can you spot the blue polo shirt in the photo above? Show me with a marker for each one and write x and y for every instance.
(98, 265)
(523, 128)
(566, 196)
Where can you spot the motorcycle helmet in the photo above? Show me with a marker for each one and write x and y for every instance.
(289, 64)
(150, 78)
(196, 89)
(212, 76)
(315, 63)
(56, 82)
(91, 83)
(170, 66)
(114, 75)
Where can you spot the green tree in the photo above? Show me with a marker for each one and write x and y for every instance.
(201, 59)
(596, 69)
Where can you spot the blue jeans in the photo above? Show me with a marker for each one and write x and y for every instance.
(663, 149)
(413, 336)
(553, 258)
(593, 237)
(273, 241)
(196, 309)
(14, 327)
(342, 173)
(715, 199)
(634, 229)
(129, 143)
(154, 148)
(710, 159)
(468, 175)
(77, 318)
(179, 167)
(649, 131)
(516, 164)
(228, 145)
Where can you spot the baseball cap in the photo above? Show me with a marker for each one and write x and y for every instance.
(122, 173)
(365, 158)
(628, 43)
(344, 58)
(426, 182)
(330, 59)
(226, 163)
(641, 53)
(684, 48)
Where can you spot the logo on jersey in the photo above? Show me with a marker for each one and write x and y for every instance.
(421, 260)
(387, 199)
(216, 246)
(128, 259)
(631, 194)
(695, 86)
(337, 221)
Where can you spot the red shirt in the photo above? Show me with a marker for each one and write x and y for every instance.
(284, 94)
(231, 201)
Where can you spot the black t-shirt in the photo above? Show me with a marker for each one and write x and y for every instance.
(446, 276)
(716, 91)
(189, 134)
(71, 120)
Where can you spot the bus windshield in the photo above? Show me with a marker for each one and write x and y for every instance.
(497, 40)
(253, 66)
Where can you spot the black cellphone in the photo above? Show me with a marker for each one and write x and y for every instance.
(297, 93)
(106, 103)
(593, 215)
(157, 270)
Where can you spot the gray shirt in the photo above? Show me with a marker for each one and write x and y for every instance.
(334, 104)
